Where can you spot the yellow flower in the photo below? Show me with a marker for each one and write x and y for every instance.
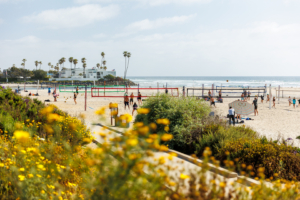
(43, 192)
(21, 169)
(30, 175)
(101, 111)
(98, 151)
(132, 142)
(21, 177)
(138, 124)
(167, 128)
(166, 137)
(163, 121)
(222, 184)
(87, 140)
(143, 130)
(40, 166)
(113, 105)
(21, 135)
(184, 176)
(38, 175)
(163, 148)
(128, 117)
(1, 165)
(53, 117)
(46, 110)
(143, 110)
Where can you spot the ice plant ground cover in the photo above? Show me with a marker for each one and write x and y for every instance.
(62, 167)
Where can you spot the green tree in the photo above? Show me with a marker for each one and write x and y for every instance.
(39, 74)
(125, 56)
(75, 61)
(109, 77)
(103, 56)
(105, 68)
(84, 66)
(40, 64)
(98, 65)
(36, 63)
(71, 61)
(63, 60)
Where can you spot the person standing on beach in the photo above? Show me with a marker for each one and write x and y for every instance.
(75, 96)
(249, 93)
(212, 102)
(231, 114)
(140, 99)
(242, 97)
(255, 106)
(294, 102)
(49, 91)
(77, 90)
(209, 93)
(135, 106)
(220, 94)
(274, 102)
(290, 101)
(262, 98)
(268, 98)
(131, 98)
(126, 101)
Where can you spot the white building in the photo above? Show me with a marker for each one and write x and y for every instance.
(80, 74)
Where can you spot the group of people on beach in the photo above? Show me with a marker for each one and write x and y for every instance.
(128, 102)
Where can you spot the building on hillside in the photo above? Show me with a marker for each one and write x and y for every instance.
(80, 74)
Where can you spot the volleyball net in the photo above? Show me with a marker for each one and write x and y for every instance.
(225, 92)
(81, 88)
(282, 93)
(132, 92)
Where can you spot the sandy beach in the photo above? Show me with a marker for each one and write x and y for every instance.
(279, 122)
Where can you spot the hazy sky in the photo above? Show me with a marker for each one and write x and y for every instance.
(165, 37)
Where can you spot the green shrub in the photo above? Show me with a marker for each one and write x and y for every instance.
(185, 114)
(278, 160)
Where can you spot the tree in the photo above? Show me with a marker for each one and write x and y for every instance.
(104, 62)
(40, 64)
(98, 65)
(128, 56)
(125, 56)
(23, 64)
(71, 61)
(80, 74)
(101, 67)
(63, 60)
(36, 63)
(39, 74)
(49, 64)
(75, 61)
(109, 77)
(83, 60)
(103, 56)
(84, 66)
(105, 68)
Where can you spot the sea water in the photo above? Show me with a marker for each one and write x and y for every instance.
(197, 81)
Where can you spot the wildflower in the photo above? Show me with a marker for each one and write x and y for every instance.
(46, 110)
(53, 117)
(163, 148)
(138, 124)
(184, 176)
(132, 142)
(87, 140)
(42, 192)
(222, 184)
(163, 121)
(98, 151)
(1, 165)
(167, 128)
(143, 111)
(21, 135)
(21, 169)
(21, 177)
(143, 130)
(30, 175)
(40, 166)
(166, 137)
(113, 105)
(38, 175)
(101, 111)
(153, 126)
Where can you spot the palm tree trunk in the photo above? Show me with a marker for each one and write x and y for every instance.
(127, 68)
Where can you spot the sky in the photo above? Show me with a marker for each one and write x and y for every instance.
(164, 37)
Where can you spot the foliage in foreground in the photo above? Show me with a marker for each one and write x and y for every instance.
(193, 131)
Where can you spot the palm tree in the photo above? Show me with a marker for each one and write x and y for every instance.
(24, 60)
(23, 64)
(40, 64)
(104, 62)
(98, 65)
(101, 67)
(49, 64)
(125, 56)
(83, 60)
(84, 66)
(63, 60)
(75, 61)
(36, 64)
(71, 61)
(105, 68)
(128, 56)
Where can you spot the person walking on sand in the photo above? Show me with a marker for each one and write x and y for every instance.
(274, 102)
(126, 101)
(294, 102)
(49, 91)
(131, 98)
(135, 106)
(242, 97)
(77, 90)
(220, 94)
(290, 101)
(209, 93)
(262, 98)
(212, 102)
(231, 114)
(255, 106)
(140, 99)
(75, 96)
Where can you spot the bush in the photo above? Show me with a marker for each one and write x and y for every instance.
(278, 160)
(185, 114)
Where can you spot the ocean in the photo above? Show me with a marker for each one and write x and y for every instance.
(197, 81)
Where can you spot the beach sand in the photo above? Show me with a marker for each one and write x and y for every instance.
(279, 122)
